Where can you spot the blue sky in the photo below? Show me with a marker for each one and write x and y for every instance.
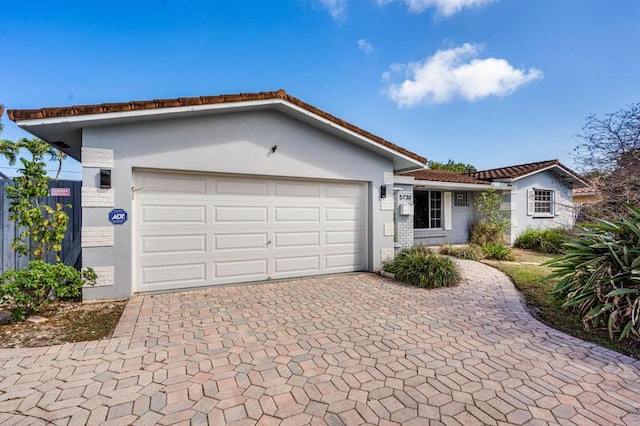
(487, 82)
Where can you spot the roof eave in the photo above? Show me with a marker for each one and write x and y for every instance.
(76, 122)
(451, 185)
(572, 176)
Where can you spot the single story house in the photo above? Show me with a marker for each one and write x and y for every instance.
(537, 195)
(190, 192)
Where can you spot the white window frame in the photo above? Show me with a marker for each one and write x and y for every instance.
(461, 199)
(429, 209)
(537, 198)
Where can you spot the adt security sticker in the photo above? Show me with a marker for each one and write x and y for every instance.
(118, 216)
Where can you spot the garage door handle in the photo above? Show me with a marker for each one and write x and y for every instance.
(268, 242)
(134, 190)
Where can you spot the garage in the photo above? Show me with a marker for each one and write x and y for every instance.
(217, 190)
(205, 229)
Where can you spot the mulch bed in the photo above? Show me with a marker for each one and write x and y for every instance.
(66, 322)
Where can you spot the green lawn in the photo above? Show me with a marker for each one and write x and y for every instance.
(530, 278)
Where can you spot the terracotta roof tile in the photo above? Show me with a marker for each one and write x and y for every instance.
(512, 172)
(591, 189)
(445, 176)
(518, 170)
(31, 114)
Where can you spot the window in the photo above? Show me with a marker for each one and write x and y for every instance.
(461, 199)
(428, 210)
(543, 202)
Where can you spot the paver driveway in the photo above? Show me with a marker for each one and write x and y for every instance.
(345, 349)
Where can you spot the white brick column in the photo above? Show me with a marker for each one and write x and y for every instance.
(404, 222)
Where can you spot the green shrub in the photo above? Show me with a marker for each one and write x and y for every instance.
(543, 240)
(24, 291)
(470, 252)
(498, 251)
(421, 267)
(494, 222)
(483, 233)
(600, 275)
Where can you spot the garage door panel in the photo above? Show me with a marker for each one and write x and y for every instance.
(350, 236)
(297, 214)
(304, 190)
(240, 241)
(297, 239)
(185, 273)
(241, 269)
(343, 191)
(241, 187)
(174, 244)
(343, 214)
(244, 214)
(345, 260)
(166, 213)
(244, 229)
(297, 264)
(173, 183)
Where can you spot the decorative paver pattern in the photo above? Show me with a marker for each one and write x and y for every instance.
(344, 349)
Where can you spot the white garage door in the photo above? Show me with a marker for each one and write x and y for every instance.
(195, 230)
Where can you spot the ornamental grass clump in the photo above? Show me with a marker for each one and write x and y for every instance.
(423, 268)
(600, 275)
(498, 251)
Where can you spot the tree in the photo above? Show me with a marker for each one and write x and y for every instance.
(57, 156)
(42, 227)
(7, 148)
(604, 140)
(609, 147)
(451, 166)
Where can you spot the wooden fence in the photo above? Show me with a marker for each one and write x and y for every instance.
(71, 250)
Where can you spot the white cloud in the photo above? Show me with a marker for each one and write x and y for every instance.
(456, 72)
(446, 8)
(337, 8)
(365, 45)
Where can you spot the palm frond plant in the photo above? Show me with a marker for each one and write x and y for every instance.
(599, 275)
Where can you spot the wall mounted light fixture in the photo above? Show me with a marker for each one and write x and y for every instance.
(105, 178)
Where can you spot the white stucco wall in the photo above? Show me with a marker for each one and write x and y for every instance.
(520, 221)
(237, 143)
